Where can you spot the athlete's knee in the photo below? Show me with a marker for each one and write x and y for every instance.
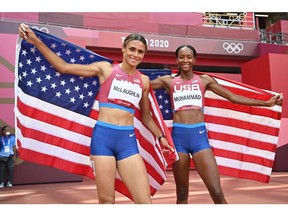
(106, 199)
(218, 197)
(143, 200)
(182, 196)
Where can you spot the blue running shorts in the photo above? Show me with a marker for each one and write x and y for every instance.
(113, 140)
(190, 138)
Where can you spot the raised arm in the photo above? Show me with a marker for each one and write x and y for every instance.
(215, 87)
(94, 69)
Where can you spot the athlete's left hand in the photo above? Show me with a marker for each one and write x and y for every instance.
(166, 145)
(275, 100)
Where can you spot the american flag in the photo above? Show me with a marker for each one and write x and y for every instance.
(243, 138)
(56, 114)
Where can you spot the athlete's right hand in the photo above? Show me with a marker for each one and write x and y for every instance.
(26, 33)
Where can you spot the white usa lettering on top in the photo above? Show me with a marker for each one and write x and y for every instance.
(192, 87)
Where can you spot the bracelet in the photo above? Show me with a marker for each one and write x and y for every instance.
(161, 136)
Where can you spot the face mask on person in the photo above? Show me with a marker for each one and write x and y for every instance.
(7, 133)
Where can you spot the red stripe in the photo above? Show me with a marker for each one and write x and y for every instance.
(242, 141)
(243, 174)
(52, 140)
(259, 91)
(247, 93)
(94, 114)
(252, 110)
(52, 119)
(242, 124)
(153, 173)
(243, 157)
(148, 147)
(47, 160)
(121, 188)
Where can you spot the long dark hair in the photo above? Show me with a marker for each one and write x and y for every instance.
(177, 53)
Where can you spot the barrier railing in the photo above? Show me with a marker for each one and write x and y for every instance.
(271, 37)
(229, 20)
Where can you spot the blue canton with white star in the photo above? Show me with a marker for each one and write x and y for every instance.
(39, 79)
(162, 96)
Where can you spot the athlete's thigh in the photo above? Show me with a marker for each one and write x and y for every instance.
(105, 171)
(207, 168)
(181, 170)
(134, 174)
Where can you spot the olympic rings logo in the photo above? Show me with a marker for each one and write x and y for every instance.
(233, 47)
(43, 29)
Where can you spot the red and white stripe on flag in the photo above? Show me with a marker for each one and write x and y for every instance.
(243, 138)
(53, 136)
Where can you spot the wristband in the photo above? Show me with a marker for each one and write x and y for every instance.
(161, 136)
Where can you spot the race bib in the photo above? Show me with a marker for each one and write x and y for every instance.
(187, 99)
(125, 93)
